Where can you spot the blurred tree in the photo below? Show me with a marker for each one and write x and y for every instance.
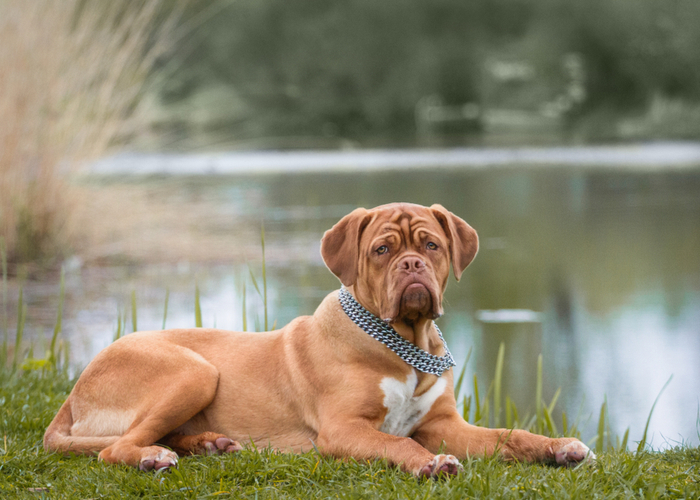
(357, 67)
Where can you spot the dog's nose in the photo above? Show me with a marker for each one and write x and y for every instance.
(411, 264)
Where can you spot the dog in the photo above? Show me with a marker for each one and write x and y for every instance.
(331, 381)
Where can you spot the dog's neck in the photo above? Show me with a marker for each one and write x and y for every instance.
(422, 333)
(418, 331)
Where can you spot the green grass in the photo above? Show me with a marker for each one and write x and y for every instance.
(29, 401)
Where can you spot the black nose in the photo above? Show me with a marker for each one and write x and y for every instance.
(411, 264)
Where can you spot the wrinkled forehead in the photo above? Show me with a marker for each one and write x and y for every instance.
(404, 221)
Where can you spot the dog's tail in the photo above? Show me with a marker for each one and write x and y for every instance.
(58, 438)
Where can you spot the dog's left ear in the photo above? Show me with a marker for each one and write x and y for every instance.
(340, 245)
(464, 243)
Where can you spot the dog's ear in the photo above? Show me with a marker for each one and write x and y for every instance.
(464, 243)
(340, 245)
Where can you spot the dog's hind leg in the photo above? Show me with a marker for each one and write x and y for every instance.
(206, 443)
(170, 404)
(140, 392)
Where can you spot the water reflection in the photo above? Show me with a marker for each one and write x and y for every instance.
(608, 260)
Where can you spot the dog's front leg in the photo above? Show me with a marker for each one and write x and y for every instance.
(450, 432)
(359, 440)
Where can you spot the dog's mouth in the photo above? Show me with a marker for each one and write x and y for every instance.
(417, 300)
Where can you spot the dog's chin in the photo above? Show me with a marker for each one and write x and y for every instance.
(416, 302)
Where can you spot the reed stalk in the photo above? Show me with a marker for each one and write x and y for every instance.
(538, 397)
(264, 271)
(59, 320)
(72, 75)
(600, 436)
(21, 317)
(498, 380)
(134, 318)
(197, 308)
(643, 441)
(460, 379)
(165, 307)
(244, 313)
(3, 261)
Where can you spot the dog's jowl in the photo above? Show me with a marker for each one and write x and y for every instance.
(369, 375)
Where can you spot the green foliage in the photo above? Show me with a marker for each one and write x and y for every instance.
(359, 67)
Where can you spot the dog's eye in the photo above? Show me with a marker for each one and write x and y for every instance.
(382, 249)
(431, 246)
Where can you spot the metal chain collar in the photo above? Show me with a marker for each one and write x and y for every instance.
(383, 332)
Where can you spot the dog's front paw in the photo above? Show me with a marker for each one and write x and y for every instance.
(157, 458)
(441, 465)
(572, 453)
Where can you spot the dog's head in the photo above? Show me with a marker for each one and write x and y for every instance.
(397, 257)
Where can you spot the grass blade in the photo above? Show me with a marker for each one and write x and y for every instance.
(264, 271)
(485, 412)
(514, 410)
(477, 401)
(623, 445)
(165, 308)
(133, 310)
(553, 403)
(458, 385)
(538, 397)
(498, 380)
(600, 437)
(59, 320)
(509, 413)
(121, 326)
(21, 316)
(245, 312)
(643, 442)
(3, 260)
(466, 407)
(551, 427)
(197, 308)
(255, 282)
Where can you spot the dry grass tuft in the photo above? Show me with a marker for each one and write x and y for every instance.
(71, 75)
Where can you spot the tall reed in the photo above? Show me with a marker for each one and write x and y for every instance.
(71, 76)
(3, 262)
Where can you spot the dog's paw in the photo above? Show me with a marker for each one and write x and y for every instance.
(573, 453)
(445, 465)
(158, 459)
(222, 445)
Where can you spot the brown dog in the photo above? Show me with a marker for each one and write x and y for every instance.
(319, 381)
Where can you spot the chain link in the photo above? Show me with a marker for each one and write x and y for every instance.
(383, 332)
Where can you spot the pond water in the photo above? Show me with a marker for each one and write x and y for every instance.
(597, 269)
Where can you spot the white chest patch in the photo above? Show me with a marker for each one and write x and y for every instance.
(405, 410)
